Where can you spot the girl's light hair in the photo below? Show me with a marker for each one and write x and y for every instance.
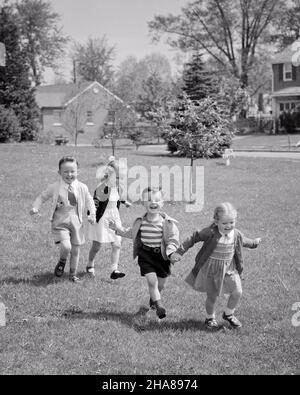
(224, 209)
(108, 169)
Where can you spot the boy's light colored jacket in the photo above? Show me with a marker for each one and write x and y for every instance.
(84, 199)
(170, 239)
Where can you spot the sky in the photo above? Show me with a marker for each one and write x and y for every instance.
(123, 22)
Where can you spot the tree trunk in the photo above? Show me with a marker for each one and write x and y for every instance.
(191, 178)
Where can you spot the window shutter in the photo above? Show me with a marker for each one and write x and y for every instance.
(294, 73)
(280, 69)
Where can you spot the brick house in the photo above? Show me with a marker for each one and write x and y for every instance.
(286, 85)
(83, 106)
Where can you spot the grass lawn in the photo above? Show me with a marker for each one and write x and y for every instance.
(278, 142)
(57, 327)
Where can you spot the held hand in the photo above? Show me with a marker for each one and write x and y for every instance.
(112, 224)
(257, 240)
(91, 219)
(175, 257)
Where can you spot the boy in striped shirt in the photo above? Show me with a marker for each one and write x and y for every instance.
(155, 239)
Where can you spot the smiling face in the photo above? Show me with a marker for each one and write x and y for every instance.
(152, 201)
(68, 172)
(226, 223)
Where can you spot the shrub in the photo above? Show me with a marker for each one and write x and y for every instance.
(10, 129)
(199, 129)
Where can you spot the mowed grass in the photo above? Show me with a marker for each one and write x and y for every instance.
(264, 142)
(57, 327)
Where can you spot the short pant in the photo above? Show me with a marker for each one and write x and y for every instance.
(153, 262)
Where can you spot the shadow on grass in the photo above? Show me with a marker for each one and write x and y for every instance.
(38, 280)
(152, 153)
(48, 278)
(139, 321)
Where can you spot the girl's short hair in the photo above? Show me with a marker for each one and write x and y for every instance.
(65, 159)
(224, 209)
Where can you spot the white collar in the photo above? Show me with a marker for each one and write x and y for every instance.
(230, 234)
(66, 186)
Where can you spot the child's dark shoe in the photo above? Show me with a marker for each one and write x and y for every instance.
(90, 271)
(59, 269)
(115, 275)
(211, 323)
(160, 310)
(233, 321)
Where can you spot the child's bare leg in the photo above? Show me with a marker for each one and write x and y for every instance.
(93, 252)
(74, 259)
(233, 302)
(210, 321)
(115, 255)
(210, 305)
(155, 285)
(235, 296)
(65, 248)
(161, 283)
(152, 282)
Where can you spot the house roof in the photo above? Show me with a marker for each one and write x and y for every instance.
(60, 95)
(290, 91)
(288, 54)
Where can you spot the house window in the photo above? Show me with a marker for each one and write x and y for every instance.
(287, 72)
(289, 106)
(57, 118)
(111, 117)
(89, 118)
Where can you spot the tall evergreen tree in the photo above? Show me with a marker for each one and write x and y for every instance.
(42, 38)
(16, 92)
(198, 83)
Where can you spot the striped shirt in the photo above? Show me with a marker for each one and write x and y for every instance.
(152, 232)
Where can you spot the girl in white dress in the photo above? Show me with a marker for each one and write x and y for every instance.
(107, 202)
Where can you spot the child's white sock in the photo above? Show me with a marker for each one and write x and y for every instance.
(213, 315)
(229, 311)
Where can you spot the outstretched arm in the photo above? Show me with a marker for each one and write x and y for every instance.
(190, 241)
(120, 230)
(42, 198)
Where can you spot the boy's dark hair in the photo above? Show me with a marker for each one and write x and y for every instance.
(65, 159)
(153, 190)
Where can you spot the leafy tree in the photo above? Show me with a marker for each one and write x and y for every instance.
(128, 84)
(16, 92)
(93, 60)
(287, 25)
(9, 125)
(155, 94)
(230, 31)
(42, 38)
(145, 84)
(199, 128)
(197, 82)
(121, 121)
(231, 98)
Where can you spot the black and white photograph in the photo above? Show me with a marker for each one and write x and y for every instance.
(149, 187)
